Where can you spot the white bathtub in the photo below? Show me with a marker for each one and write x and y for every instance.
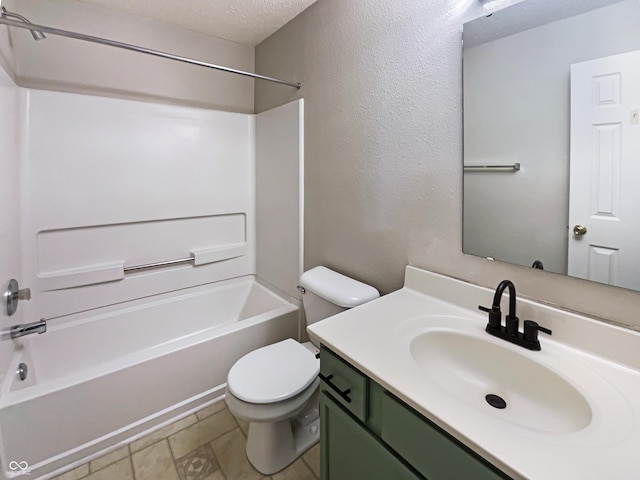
(100, 378)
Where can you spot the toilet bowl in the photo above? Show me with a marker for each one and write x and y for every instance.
(275, 388)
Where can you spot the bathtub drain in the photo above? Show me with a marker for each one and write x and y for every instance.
(23, 370)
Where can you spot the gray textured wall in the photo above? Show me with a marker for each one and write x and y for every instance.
(62, 64)
(383, 147)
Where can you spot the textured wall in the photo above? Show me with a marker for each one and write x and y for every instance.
(62, 64)
(382, 83)
(7, 59)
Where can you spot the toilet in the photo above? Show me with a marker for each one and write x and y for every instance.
(275, 388)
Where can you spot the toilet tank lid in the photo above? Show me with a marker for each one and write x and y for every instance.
(337, 288)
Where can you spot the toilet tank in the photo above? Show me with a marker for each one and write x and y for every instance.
(328, 292)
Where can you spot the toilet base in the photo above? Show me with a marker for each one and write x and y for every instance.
(272, 446)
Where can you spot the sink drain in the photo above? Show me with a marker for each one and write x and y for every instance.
(495, 401)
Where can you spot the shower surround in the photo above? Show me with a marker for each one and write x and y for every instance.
(107, 185)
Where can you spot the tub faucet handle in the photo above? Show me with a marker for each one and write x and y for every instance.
(24, 294)
(14, 294)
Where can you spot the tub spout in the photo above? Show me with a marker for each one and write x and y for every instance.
(28, 328)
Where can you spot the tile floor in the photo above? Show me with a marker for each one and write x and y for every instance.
(208, 445)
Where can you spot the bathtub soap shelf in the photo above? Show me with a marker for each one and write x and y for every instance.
(210, 255)
(114, 271)
(76, 277)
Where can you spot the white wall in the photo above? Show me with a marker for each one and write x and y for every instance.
(382, 83)
(517, 110)
(10, 200)
(63, 64)
(109, 181)
(279, 207)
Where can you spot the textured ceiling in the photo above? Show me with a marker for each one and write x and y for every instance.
(243, 21)
(523, 16)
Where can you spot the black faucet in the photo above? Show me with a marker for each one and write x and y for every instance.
(529, 338)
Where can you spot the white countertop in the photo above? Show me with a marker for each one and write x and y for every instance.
(602, 361)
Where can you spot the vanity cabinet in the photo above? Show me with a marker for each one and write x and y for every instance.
(367, 433)
(349, 451)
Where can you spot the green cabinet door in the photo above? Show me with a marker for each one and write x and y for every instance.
(428, 449)
(349, 452)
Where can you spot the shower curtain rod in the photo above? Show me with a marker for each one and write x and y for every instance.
(135, 48)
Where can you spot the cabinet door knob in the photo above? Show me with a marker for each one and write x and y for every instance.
(344, 394)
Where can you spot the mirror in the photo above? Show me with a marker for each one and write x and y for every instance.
(552, 138)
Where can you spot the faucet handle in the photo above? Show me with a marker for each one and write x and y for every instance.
(511, 325)
(495, 316)
(531, 329)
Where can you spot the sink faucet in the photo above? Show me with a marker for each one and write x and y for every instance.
(28, 328)
(527, 339)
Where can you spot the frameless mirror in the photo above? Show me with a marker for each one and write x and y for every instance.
(552, 138)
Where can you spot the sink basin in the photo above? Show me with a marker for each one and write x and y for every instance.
(471, 367)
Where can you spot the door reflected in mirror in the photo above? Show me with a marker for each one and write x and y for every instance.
(553, 86)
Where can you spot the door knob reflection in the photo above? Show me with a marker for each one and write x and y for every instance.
(579, 230)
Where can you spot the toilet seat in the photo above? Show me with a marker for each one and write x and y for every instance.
(273, 373)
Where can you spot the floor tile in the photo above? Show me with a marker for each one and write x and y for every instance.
(211, 409)
(154, 463)
(109, 458)
(210, 449)
(197, 465)
(217, 475)
(244, 426)
(230, 452)
(163, 433)
(200, 433)
(298, 470)
(121, 470)
(74, 474)
(312, 459)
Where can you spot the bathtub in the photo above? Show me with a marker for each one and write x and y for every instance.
(101, 378)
